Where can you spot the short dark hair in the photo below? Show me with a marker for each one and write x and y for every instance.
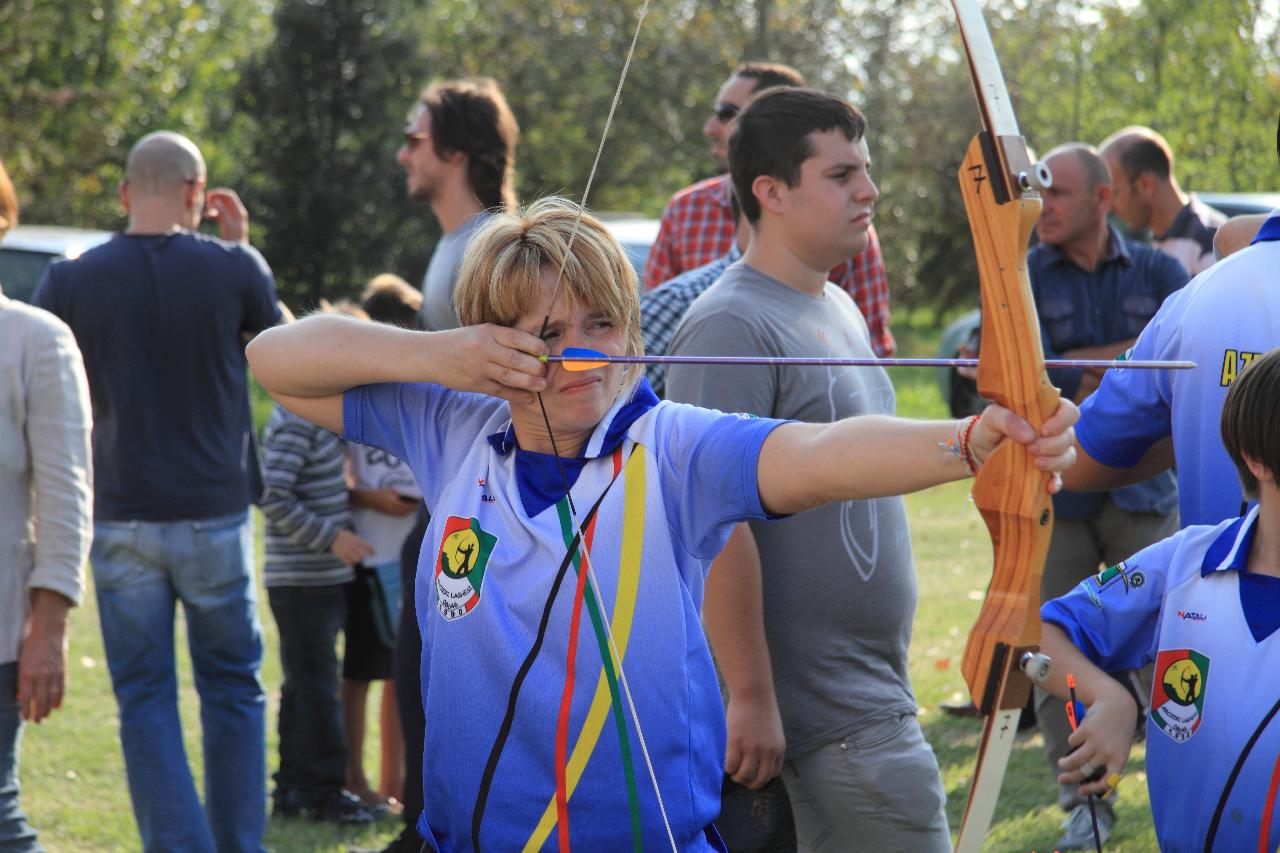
(771, 137)
(1249, 417)
(769, 74)
(390, 299)
(1145, 156)
(8, 202)
(472, 116)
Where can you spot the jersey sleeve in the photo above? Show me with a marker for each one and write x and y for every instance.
(1131, 410)
(429, 427)
(707, 463)
(1113, 616)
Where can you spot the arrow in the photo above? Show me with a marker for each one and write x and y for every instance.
(576, 359)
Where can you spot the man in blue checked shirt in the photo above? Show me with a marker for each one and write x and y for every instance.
(1222, 320)
(662, 308)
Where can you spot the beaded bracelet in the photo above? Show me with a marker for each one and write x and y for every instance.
(959, 444)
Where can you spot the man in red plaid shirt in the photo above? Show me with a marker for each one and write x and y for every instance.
(697, 226)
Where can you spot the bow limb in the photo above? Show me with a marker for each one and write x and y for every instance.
(996, 180)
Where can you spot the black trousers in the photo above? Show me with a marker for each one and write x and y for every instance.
(408, 673)
(313, 753)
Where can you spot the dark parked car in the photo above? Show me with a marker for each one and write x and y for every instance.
(28, 249)
(961, 395)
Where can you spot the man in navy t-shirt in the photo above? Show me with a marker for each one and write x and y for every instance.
(161, 314)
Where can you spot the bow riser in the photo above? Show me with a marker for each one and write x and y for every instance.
(1010, 492)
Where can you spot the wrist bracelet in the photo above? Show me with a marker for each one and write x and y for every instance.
(958, 445)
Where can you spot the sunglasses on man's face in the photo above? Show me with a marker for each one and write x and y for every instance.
(726, 112)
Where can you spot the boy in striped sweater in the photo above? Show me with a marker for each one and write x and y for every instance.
(310, 551)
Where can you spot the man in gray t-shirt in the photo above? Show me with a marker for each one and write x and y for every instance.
(437, 285)
(459, 156)
(836, 585)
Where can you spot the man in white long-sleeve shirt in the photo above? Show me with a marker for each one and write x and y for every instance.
(45, 507)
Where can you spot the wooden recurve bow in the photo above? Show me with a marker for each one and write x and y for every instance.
(999, 185)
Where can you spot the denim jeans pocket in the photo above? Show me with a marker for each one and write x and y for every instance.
(220, 552)
(114, 555)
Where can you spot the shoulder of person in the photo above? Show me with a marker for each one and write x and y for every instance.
(1040, 255)
(37, 324)
(695, 191)
(1193, 546)
(729, 296)
(241, 251)
(1144, 255)
(85, 266)
(1210, 217)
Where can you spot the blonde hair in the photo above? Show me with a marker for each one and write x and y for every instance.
(500, 276)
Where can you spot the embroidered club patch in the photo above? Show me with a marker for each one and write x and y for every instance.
(1177, 697)
(1130, 578)
(464, 552)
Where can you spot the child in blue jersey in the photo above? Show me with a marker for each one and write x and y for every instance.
(1204, 606)
(569, 694)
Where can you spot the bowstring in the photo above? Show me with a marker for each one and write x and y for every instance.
(555, 450)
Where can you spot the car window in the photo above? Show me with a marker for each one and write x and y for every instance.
(20, 272)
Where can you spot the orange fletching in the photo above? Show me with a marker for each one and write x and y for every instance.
(576, 360)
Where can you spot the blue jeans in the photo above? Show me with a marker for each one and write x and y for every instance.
(140, 570)
(313, 746)
(16, 836)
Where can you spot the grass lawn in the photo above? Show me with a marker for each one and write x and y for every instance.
(73, 774)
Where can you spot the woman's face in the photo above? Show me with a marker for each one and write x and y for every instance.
(575, 400)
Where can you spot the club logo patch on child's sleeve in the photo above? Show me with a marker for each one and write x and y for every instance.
(1177, 697)
(464, 552)
(1122, 571)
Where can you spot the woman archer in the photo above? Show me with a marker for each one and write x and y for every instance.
(567, 684)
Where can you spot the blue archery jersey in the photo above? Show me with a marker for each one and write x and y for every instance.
(1223, 319)
(517, 705)
(1187, 605)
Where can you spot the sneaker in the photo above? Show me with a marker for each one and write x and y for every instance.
(408, 841)
(340, 806)
(1078, 826)
(960, 708)
(284, 804)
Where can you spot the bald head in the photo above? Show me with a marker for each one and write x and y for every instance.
(164, 163)
(1093, 167)
(1138, 151)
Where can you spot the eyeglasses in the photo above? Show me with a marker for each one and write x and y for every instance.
(412, 139)
(726, 112)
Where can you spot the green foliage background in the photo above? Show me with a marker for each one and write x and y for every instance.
(298, 104)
